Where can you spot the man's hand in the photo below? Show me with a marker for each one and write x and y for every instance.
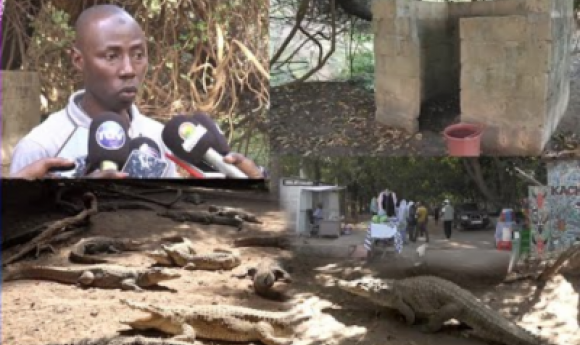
(246, 165)
(41, 167)
(107, 174)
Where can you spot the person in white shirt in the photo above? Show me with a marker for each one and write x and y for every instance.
(110, 51)
(447, 213)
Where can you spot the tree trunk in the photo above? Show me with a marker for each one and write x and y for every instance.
(473, 168)
(275, 175)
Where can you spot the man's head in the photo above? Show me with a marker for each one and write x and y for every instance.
(319, 205)
(111, 52)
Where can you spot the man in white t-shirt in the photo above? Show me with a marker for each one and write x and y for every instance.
(110, 51)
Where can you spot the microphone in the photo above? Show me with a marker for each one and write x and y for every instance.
(108, 143)
(192, 142)
(145, 159)
(220, 144)
(145, 145)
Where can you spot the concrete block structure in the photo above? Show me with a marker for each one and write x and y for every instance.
(507, 59)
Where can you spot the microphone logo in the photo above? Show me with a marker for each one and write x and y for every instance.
(149, 150)
(186, 130)
(110, 135)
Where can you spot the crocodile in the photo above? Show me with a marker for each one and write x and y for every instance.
(264, 275)
(179, 244)
(119, 340)
(218, 322)
(99, 276)
(99, 244)
(436, 301)
(231, 212)
(202, 217)
(282, 242)
(219, 259)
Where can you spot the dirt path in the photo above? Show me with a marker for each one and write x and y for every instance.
(38, 312)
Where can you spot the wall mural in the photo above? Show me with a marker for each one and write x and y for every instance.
(554, 211)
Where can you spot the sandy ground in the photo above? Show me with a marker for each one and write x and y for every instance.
(39, 312)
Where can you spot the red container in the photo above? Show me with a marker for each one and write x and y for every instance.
(463, 140)
(504, 245)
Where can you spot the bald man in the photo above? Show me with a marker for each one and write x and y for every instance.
(110, 50)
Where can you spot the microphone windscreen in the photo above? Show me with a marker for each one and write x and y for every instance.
(220, 143)
(146, 145)
(108, 141)
(177, 130)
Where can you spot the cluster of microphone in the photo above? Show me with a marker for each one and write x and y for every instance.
(194, 140)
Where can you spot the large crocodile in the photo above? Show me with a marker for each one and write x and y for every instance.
(264, 275)
(218, 322)
(438, 300)
(99, 276)
(82, 251)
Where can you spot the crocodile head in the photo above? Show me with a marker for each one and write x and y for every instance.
(376, 290)
(157, 318)
(160, 256)
(157, 274)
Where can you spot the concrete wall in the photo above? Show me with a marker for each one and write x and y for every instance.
(20, 110)
(398, 84)
(510, 59)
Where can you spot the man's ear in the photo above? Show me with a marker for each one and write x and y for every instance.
(77, 59)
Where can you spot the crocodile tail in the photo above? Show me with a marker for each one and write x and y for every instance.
(10, 273)
(145, 307)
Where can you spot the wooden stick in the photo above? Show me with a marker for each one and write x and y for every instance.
(55, 229)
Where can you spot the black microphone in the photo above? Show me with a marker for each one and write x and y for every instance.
(108, 146)
(145, 159)
(192, 142)
(220, 143)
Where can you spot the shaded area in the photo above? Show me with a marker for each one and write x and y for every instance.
(338, 119)
(439, 112)
(43, 312)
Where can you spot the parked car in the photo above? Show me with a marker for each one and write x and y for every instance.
(469, 216)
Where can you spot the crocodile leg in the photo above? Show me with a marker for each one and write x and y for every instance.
(282, 275)
(266, 333)
(446, 313)
(187, 335)
(86, 278)
(113, 250)
(405, 310)
(130, 284)
(190, 266)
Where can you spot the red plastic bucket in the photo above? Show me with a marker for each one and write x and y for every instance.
(463, 140)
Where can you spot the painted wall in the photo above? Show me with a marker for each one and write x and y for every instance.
(555, 209)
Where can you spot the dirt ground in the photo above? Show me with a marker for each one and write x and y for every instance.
(39, 312)
(338, 118)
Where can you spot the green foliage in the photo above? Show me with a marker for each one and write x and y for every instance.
(430, 180)
(360, 60)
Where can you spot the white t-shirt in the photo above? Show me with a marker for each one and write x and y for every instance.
(46, 139)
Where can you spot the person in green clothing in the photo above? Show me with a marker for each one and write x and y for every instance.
(422, 214)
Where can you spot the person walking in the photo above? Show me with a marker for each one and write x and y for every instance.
(448, 214)
(436, 212)
(422, 215)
